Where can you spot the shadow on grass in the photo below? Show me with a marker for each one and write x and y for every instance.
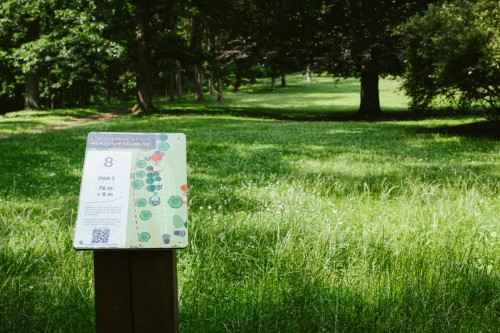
(7, 127)
(36, 297)
(309, 307)
(340, 114)
(73, 112)
(229, 150)
(256, 291)
(301, 112)
(483, 129)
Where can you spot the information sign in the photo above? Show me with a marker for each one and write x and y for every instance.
(133, 192)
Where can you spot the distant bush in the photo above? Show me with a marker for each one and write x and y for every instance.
(452, 51)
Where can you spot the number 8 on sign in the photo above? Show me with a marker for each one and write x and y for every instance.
(108, 162)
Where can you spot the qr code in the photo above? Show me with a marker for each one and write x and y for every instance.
(100, 236)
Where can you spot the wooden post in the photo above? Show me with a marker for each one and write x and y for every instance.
(136, 291)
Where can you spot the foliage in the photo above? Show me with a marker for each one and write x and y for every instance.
(82, 55)
(68, 50)
(356, 39)
(453, 51)
(84, 51)
(275, 30)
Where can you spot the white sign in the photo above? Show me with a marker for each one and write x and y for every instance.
(133, 192)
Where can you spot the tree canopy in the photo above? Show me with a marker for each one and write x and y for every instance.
(58, 47)
(453, 51)
(58, 53)
(357, 40)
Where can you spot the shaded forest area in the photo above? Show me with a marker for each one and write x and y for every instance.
(57, 53)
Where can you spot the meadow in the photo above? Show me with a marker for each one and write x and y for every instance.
(295, 226)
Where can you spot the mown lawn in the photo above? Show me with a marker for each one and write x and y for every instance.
(317, 226)
(323, 99)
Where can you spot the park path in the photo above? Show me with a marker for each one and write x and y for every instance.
(73, 122)
(100, 116)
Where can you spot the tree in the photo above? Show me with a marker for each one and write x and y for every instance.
(198, 52)
(78, 57)
(22, 22)
(144, 15)
(154, 22)
(357, 39)
(453, 51)
(275, 32)
(56, 51)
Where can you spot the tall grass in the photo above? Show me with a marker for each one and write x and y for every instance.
(294, 227)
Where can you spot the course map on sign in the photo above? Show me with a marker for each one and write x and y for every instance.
(133, 193)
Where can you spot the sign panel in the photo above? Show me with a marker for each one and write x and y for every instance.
(133, 193)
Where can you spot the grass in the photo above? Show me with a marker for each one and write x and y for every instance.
(323, 99)
(294, 226)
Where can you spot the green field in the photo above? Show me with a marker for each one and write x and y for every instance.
(295, 226)
(323, 99)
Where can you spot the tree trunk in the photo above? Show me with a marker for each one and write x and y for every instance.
(178, 80)
(196, 31)
(211, 52)
(308, 73)
(211, 85)
(273, 82)
(144, 75)
(32, 97)
(220, 96)
(170, 87)
(237, 84)
(283, 80)
(32, 85)
(198, 83)
(370, 103)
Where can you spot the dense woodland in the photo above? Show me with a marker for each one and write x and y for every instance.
(57, 53)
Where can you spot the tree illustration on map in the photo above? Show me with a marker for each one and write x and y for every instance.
(158, 217)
